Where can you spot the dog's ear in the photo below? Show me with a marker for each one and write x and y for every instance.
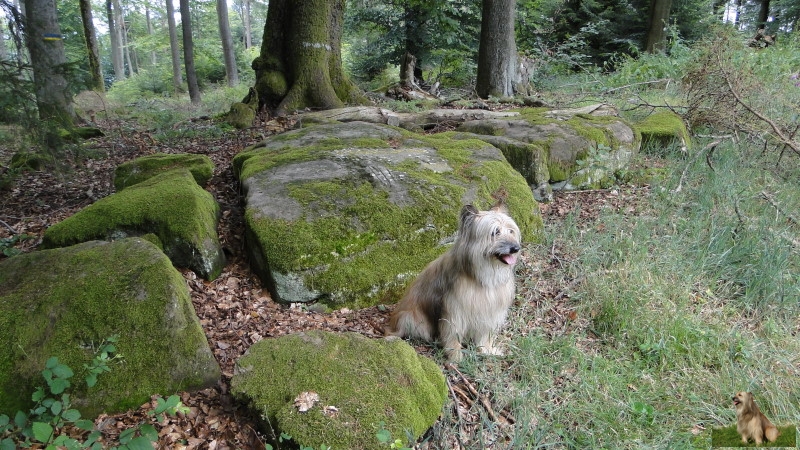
(468, 213)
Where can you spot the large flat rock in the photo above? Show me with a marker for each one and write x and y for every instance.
(348, 213)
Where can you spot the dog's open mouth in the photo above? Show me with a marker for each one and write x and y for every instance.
(508, 258)
(736, 401)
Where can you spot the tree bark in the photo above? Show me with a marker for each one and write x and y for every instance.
(231, 71)
(46, 47)
(300, 64)
(177, 77)
(91, 46)
(153, 56)
(3, 49)
(659, 19)
(188, 52)
(497, 54)
(763, 15)
(116, 42)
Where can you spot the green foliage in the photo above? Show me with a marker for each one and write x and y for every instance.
(52, 411)
(442, 34)
(8, 244)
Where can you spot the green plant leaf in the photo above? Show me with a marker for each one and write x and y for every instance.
(383, 435)
(38, 394)
(62, 371)
(85, 424)
(71, 415)
(149, 432)
(56, 408)
(126, 435)
(58, 385)
(42, 432)
(7, 444)
(91, 379)
(20, 419)
(140, 443)
(51, 362)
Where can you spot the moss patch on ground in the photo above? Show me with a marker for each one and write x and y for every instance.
(170, 205)
(63, 302)
(140, 169)
(368, 382)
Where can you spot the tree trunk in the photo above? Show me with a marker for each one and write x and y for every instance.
(153, 56)
(116, 43)
(188, 52)
(659, 19)
(3, 49)
(231, 71)
(46, 47)
(763, 15)
(497, 54)
(177, 78)
(248, 29)
(91, 46)
(300, 64)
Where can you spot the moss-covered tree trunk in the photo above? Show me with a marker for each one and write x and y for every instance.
(300, 64)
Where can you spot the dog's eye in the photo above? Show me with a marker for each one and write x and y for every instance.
(495, 232)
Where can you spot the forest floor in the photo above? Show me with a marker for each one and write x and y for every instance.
(233, 309)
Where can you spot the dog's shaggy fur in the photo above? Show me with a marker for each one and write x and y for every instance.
(465, 293)
(750, 422)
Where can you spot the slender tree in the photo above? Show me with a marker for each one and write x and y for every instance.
(497, 54)
(763, 14)
(659, 19)
(300, 64)
(174, 49)
(116, 42)
(149, 22)
(46, 47)
(188, 51)
(248, 30)
(3, 50)
(91, 45)
(231, 71)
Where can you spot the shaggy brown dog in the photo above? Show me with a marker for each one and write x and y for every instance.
(751, 423)
(465, 293)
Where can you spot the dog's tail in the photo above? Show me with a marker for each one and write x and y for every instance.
(772, 433)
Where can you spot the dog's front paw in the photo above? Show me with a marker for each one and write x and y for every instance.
(492, 350)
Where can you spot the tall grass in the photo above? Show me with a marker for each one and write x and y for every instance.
(684, 303)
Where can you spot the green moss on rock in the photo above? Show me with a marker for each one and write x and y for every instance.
(367, 381)
(140, 169)
(62, 302)
(241, 115)
(664, 128)
(169, 205)
(349, 226)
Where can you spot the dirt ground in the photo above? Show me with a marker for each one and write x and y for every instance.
(234, 310)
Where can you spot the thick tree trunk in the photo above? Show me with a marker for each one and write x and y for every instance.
(231, 71)
(300, 64)
(177, 78)
(659, 19)
(46, 47)
(497, 54)
(188, 52)
(117, 62)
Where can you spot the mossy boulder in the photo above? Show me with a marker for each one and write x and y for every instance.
(663, 129)
(241, 115)
(27, 161)
(347, 213)
(170, 205)
(359, 383)
(62, 302)
(577, 148)
(140, 169)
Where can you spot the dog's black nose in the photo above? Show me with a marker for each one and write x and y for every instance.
(514, 249)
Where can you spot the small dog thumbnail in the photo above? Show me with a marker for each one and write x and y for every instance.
(751, 423)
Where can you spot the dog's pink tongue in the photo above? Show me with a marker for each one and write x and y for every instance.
(510, 259)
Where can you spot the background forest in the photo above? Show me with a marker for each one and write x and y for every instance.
(648, 305)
